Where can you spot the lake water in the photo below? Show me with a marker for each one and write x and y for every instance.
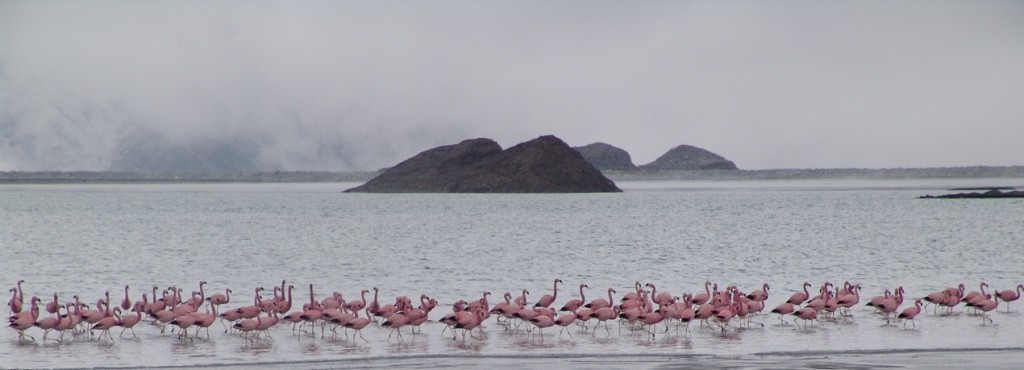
(85, 239)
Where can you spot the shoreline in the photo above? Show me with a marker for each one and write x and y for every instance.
(80, 177)
(950, 358)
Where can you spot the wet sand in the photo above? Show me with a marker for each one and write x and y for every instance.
(1002, 358)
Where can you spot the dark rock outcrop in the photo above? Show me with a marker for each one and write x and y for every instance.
(606, 157)
(686, 157)
(994, 193)
(542, 165)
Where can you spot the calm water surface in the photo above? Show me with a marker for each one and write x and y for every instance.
(85, 239)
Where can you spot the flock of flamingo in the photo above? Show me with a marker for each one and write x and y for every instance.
(639, 309)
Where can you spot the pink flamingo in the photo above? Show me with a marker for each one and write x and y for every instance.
(652, 319)
(910, 312)
(547, 299)
(849, 300)
(807, 314)
(356, 306)
(1008, 295)
(358, 323)
(129, 321)
(67, 322)
(204, 321)
(374, 306)
(521, 301)
(877, 300)
(661, 299)
(286, 304)
(759, 295)
(248, 326)
(469, 322)
(634, 295)
(604, 314)
(396, 322)
(985, 305)
(126, 303)
(600, 303)
(975, 296)
(106, 323)
(49, 323)
(784, 309)
(564, 321)
(480, 304)
(574, 304)
(541, 322)
(17, 299)
(504, 309)
(426, 307)
(798, 298)
(702, 298)
(22, 322)
(219, 299)
(52, 306)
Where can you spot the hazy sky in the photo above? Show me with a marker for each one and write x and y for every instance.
(767, 84)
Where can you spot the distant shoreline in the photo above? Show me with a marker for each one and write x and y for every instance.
(74, 177)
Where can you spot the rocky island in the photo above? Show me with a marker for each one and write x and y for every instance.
(543, 165)
(606, 157)
(990, 194)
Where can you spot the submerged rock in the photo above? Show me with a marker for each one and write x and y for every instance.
(542, 165)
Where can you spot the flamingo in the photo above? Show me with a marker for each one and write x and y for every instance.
(49, 323)
(541, 322)
(248, 326)
(25, 320)
(784, 309)
(108, 322)
(975, 296)
(651, 319)
(798, 298)
(358, 323)
(53, 305)
(356, 306)
(1008, 295)
(660, 299)
(547, 299)
(129, 321)
(374, 306)
(522, 300)
(702, 298)
(204, 321)
(17, 299)
(574, 304)
(759, 295)
(600, 302)
(910, 312)
(807, 314)
(604, 314)
(985, 305)
(564, 321)
(219, 299)
(469, 322)
(126, 303)
(396, 322)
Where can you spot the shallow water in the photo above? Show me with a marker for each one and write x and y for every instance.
(85, 239)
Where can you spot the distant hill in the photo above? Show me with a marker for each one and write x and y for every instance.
(542, 165)
(687, 157)
(150, 151)
(606, 157)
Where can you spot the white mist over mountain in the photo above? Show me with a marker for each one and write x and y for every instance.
(359, 85)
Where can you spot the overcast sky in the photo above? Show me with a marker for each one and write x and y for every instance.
(767, 84)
